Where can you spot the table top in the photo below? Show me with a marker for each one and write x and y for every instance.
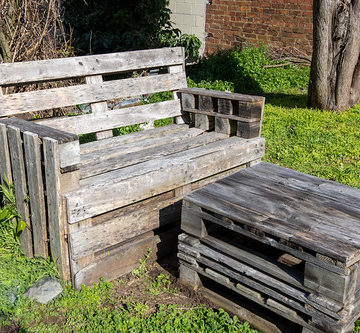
(314, 213)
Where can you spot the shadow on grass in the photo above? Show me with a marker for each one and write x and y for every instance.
(286, 100)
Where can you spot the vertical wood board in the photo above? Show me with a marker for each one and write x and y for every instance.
(19, 179)
(36, 193)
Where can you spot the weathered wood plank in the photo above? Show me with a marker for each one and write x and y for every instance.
(242, 312)
(88, 148)
(5, 163)
(66, 68)
(158, 176)
(19, 178)
(118, 150)
(96, 122)
(166, 149)
(222, 95)
(125, 258)
(203, 121)
(113, 227)
(55, 208)
(177, 69)
(36, 193)
(40, 130)
(223, 116)
(98, 108)
(88, 93)
(225, 126)
(338, 287)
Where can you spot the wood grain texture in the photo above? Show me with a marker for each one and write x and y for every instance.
(96, 122)
(20, 184)
(299, 217)
(88, 148)
(5, 162)
(158, 176)
(34, 173)
(98, 108)
(118, 161)
(114, 227)
(40, 130)
(88, 93)
(126, 257)
(222, 95)
(55, 208)
(66, 68)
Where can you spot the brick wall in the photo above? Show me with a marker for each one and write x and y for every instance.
(278, 23)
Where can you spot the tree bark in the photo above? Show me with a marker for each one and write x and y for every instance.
(335, 67)
(5, 53)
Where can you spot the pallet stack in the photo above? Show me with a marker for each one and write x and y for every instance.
(284, 240)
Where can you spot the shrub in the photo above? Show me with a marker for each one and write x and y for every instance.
(244, 68)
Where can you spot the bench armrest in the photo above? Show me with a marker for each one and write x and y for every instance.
(228, 113)
(68, 143)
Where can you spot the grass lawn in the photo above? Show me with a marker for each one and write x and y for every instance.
(321, 143)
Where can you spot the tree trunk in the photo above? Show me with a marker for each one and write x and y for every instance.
(335, 67)
(5, 53)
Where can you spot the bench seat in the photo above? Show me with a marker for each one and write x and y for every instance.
(129, 170)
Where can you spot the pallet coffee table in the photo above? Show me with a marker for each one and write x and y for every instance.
(287, 241)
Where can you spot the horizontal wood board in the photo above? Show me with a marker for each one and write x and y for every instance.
(13, 104)
(121, 187)
(40, 130)
(311, 212)
(166, 147)
(67, 68)
(110, 119)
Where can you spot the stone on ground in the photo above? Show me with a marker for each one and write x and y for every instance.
(44, 290)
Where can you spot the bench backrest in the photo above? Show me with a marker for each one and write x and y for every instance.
(101, 82)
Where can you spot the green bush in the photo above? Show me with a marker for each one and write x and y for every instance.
(244, 69)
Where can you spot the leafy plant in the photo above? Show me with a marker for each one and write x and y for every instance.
(160, 284)
(142, 269)
(244, 69)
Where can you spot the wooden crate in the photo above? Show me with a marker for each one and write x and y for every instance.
(285, 240)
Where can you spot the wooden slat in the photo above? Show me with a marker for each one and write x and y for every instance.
(36, 193)
(126, 258)
(40, 130)
(66, 68)
(88, 93)
(5, 163)
(99, 108)
(118, 226)
(90, 123)
(221, 115)
(119, 151)
(55, 208)
(177, 69)
(124, 160)
(222, 95)
(138, 182)
(19, 178)
(140, 136)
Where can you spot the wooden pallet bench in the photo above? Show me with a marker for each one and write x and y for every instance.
(97, 207)
(282, 239)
